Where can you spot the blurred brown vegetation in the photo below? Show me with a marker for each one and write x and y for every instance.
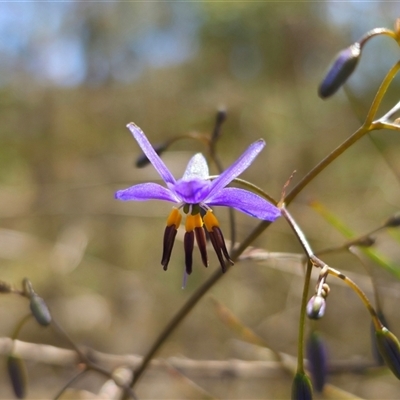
(65, 150)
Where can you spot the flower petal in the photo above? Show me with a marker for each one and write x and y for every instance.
(196, 168)
(151, 154)
(146, 191)
(238, 166)
(192, 191)
(246, 202)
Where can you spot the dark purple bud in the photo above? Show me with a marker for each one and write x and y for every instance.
(218, 242)
(340, 70)
(316, 307)
(222, 245)
(301, 387)
(142, 160)
(393, 221)
(202, 243)
(389, 347)
(317, 359)
(217, 249)
(40, 310)
(17, 373)
(188, 245)
(221, 117)
(168, 244)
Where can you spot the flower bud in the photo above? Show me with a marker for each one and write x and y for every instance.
(374, 345)
(301, 387)
(17, 373)
(389, 347)
(317, 359)
(316, 307)
(325, 290)
(393, 221)
(40, 310)
(5, 287)
(220, 118)
(342, 67)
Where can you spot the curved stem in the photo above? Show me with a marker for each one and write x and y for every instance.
(378, 31)
(20, 325)
(302, 319)
(310, 255)
(360, 293)
(381, 92)
(356, 253)
(298, 232)
(256, 189)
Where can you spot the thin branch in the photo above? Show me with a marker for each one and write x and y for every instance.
(236, 368)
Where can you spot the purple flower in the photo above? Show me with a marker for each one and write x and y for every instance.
(195, 193)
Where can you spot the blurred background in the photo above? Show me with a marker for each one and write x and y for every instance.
(73, 74)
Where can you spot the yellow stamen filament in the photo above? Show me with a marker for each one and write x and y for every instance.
(210, 220)
(174, 218)
(193, 221)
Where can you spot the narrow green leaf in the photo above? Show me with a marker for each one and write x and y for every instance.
(233, 323)
(373, 254)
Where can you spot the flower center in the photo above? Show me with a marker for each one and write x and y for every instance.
(192, 191)
(192, 209)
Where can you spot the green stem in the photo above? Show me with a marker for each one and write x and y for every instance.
(360, 293)
(20, 325)
(386, 125)
(358, 134)
(298, 232)
(256, 189)
(378, 31)
(356, 253)
(310, 255)
(302, 319)
(381, 92)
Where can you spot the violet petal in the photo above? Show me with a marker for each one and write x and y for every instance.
(196, 168)
(246, 202)
(151, 154)
(242, 163)
(146, 191)
(192, 191)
